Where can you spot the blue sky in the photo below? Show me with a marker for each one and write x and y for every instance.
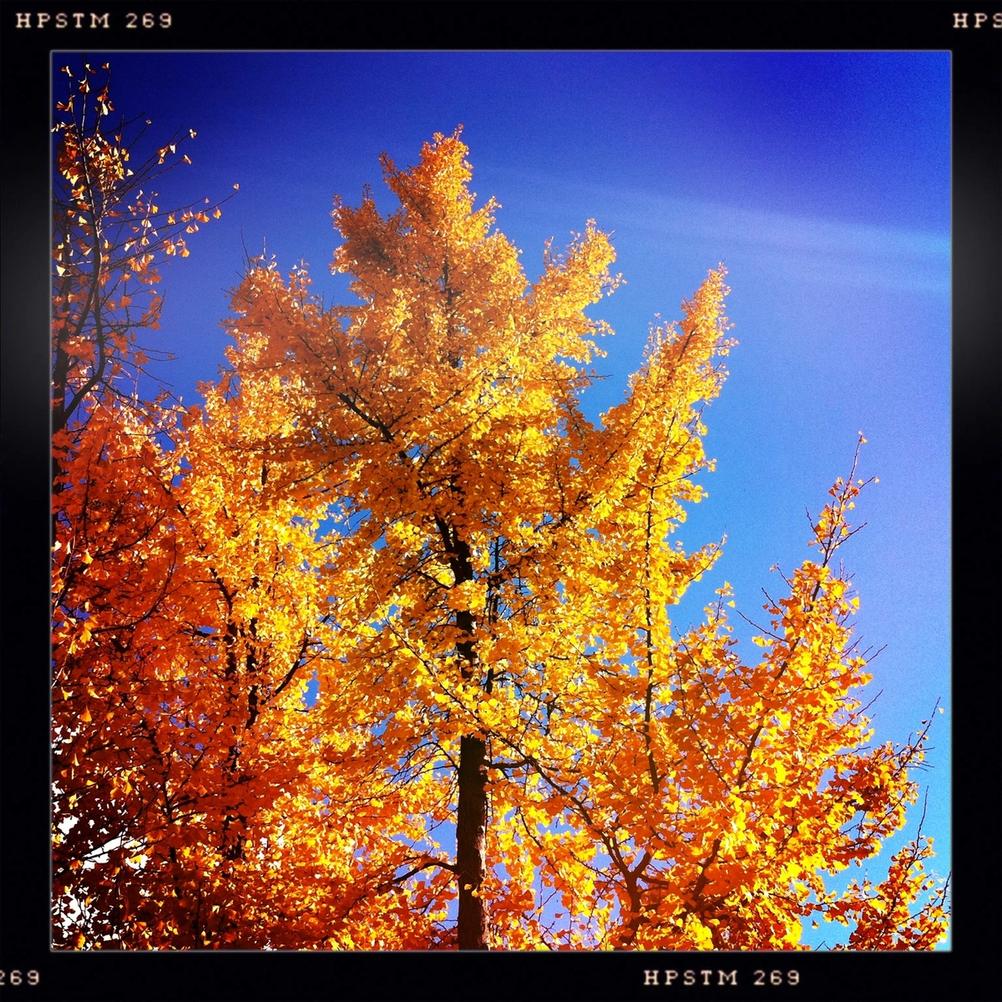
(821, 180)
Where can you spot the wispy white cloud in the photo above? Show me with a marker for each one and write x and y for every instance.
(806, 247)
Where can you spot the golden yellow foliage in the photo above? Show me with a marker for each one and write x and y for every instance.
(402, 502)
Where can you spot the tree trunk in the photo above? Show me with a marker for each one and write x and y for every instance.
(471, 812)
(471, 824)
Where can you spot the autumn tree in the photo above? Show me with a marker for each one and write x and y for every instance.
(501, 580)
(110, 234)
(165, 675)
(185, 630)
(375, 647)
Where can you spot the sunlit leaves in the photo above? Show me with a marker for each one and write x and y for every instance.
(281, 616)
(109, 232)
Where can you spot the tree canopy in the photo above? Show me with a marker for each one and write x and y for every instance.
(376, 647)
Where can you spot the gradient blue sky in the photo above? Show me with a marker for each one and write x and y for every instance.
(821, 180)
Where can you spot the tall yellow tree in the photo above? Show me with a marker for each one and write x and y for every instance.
(505, 703)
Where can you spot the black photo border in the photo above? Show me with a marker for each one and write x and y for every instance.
(970, 970)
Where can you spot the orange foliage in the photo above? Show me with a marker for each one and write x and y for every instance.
(402, 501)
